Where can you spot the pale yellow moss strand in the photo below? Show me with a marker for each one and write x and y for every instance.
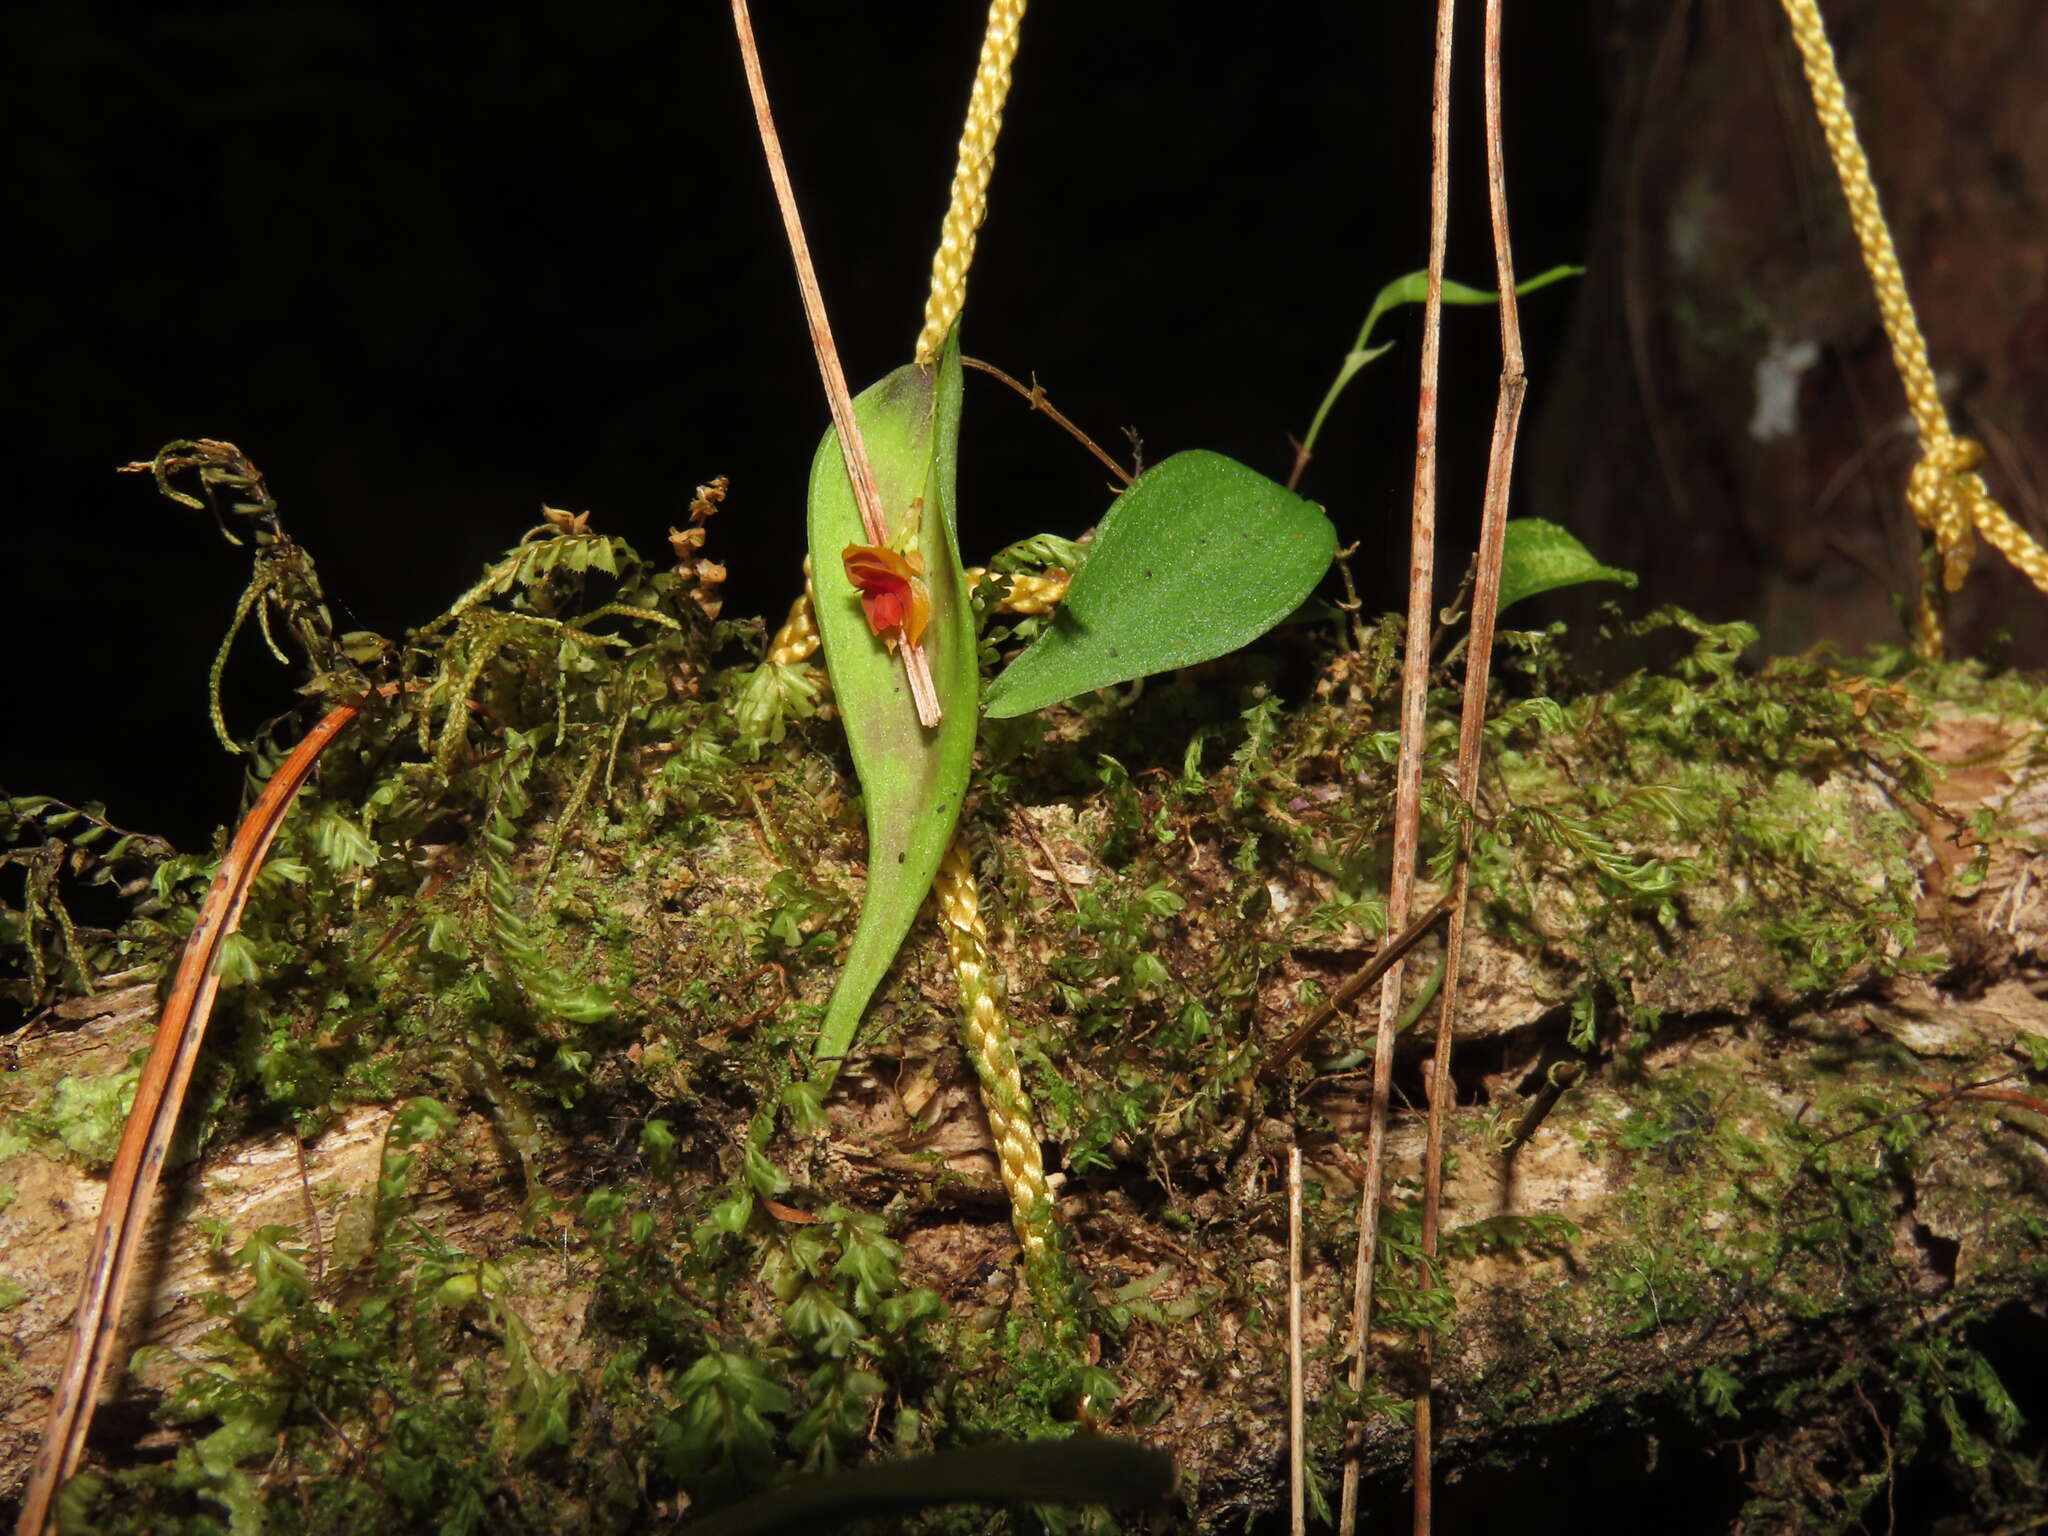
(970, 178)
(1946, 494)
(797, 640)
(1026, 593)
(994, 1056)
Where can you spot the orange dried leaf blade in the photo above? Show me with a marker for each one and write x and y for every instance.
(159, 1096)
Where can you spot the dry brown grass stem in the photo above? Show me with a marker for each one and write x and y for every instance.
(859, 469)
(1040, 402)
(1414, 702)
(1384, 958)
(1297, 1480)
(1500, 461)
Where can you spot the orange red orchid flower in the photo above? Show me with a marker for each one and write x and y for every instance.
(892, 592)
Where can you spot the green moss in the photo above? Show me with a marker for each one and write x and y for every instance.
(575, 878)
(85, 1115)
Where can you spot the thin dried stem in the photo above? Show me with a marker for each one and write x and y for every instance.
(1414, 708)
(1037, 396)
(1297, 1482)
(1500, 462)
(1301, 458)
(859, 470)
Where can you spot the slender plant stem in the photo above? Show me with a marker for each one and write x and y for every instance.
(1500, 462)
(1987, 1090)
(1036, 395)
(1562, 1075)
(1305, 446)
(1297, 1483)
(1414, 708)
(837, 396)
(859, 469)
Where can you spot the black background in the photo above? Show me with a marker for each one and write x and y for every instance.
(431, 269)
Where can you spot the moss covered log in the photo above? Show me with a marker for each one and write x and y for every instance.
(507, 1203)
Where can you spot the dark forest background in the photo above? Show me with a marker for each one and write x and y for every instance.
(431, 270)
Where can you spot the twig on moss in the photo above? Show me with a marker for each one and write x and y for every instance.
(1354, 630)
(1986, 1091)
(1051, 862)
(159, 1096)
(1386, 956)
(312, 1210)
(1562, 1075)
(1297, 1484)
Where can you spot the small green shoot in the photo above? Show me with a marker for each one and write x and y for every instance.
(1411, 289)
(1720, 1390)
(1198, 557)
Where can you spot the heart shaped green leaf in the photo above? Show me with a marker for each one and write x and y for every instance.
(1539, 556)
(1199, 556)
(912, 778)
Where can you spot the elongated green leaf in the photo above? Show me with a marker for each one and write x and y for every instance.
(912, 778)
(1539, 556)
(1198, 557)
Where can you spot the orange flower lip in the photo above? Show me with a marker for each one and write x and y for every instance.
(892, 591)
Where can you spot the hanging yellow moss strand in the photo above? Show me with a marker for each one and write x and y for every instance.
(970, 178)
(988, 1033)
(797, 640)
(989, 1046)
(1947, 495)
(994, 1056)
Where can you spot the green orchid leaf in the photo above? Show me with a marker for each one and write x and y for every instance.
(1539, 556)
(1199, 556)
(912, 778)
